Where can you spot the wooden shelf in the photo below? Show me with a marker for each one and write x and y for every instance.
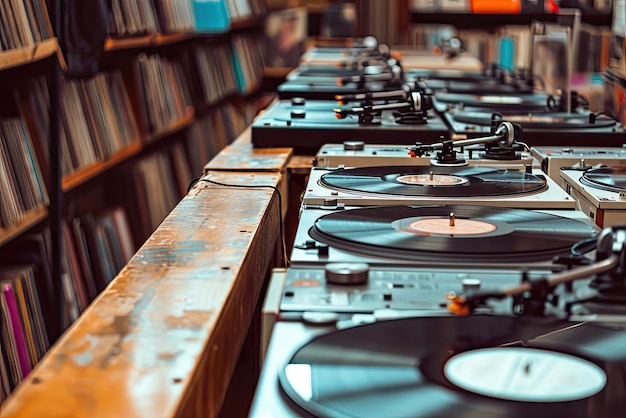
(30, 219)
(246, 23)
(276, 72)
(172, 128)
(113, 44)
(138, 42)
(83, 175)
(162, 39)
(24, 56)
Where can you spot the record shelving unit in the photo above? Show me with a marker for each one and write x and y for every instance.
(120, 139)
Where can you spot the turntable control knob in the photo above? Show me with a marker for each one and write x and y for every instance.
(298, 114)
(298, 101)
(320, 318)
(347, 273)
(471, 285)
(353, 145)
(330, 202)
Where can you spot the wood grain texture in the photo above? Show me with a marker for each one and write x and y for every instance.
(27, 55)
(163, 339)
(242, 156)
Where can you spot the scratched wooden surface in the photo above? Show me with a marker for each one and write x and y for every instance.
(240, 155)
(164, 338)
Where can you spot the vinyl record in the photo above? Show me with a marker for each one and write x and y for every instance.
(606, 178)
(536, 120)
(522, 102)
(433, 181)
(447, 75)
(487, 87)
(403, 368)
(452, 233)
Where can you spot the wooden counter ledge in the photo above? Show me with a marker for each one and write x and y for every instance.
(164, 338)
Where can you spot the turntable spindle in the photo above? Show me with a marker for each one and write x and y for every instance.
(452, 218)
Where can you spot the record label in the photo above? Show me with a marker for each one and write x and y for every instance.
(432, 180)
(443, 226)
(524, 374)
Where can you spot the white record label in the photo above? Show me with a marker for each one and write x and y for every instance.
(525, 374)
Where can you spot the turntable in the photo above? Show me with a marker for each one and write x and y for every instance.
(541, 361)
(493, 80)
(359, 154)
(505, 103)
(441, 366)
(306, 131)
(498, 150)
(542, 127)
(551, 159)
(433, 185)
(461, 236)
(329, 74)
(600, 193)
(333, 54)
(360, 288)
(323, 83)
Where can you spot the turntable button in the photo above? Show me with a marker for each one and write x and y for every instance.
(320, 318)
(339, 299)
(471, 285)
(347, 273)
(353, 145)
(298, 114)
(387, 297)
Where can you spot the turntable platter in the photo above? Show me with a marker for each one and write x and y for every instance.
(458, 233)
(434, 181)
(536, 120)
(396, 368)
(522, 102)
(606, 178)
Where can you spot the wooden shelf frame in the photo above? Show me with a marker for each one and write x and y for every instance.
(163, 39)
(24, 56)
(88, 173)
(30, 219)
